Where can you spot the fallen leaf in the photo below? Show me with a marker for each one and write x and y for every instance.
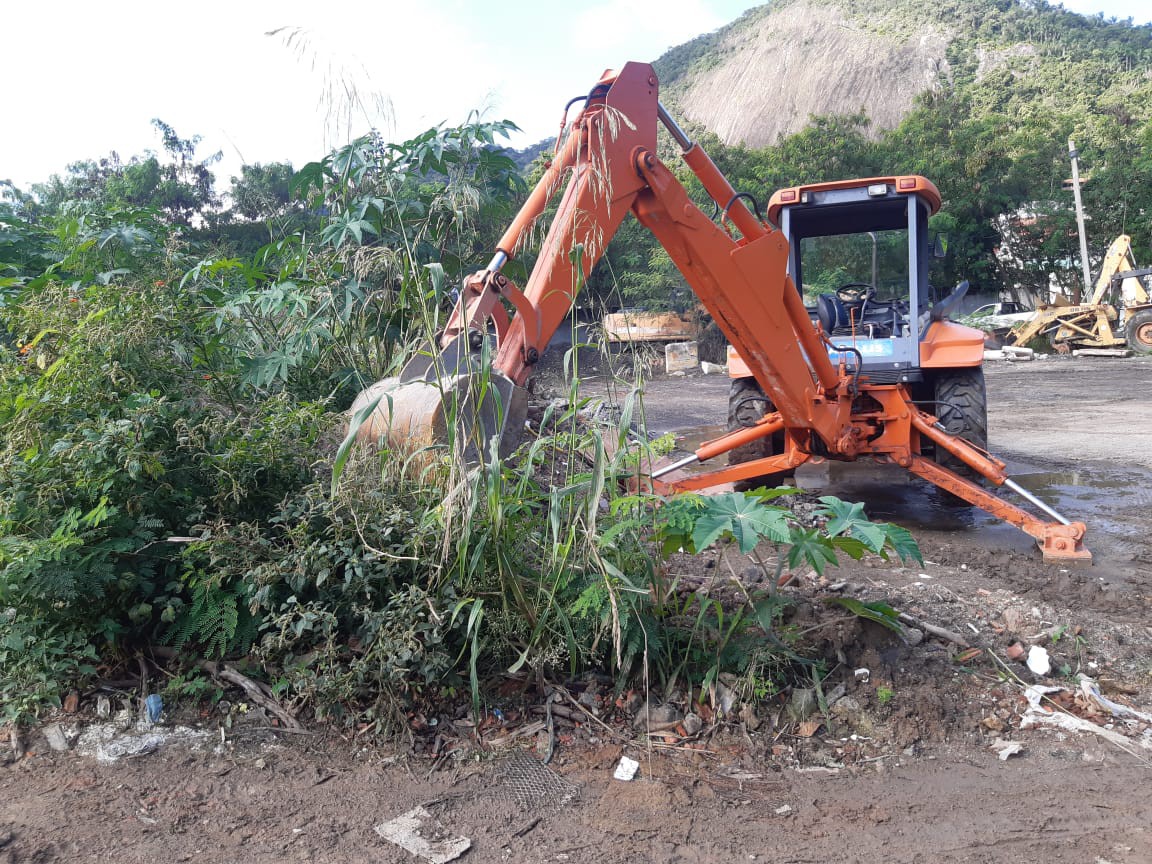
(808, 728)
(965, 656)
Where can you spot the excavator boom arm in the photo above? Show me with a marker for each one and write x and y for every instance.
(609, 158)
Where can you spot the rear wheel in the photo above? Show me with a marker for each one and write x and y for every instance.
(962, 409)
(1138, 331)
(747, 404)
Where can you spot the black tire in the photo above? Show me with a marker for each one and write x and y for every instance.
(962, 409)
(747, 404)
(1138, 332)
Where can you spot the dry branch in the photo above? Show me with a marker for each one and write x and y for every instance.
(938, 632)
(255, 690)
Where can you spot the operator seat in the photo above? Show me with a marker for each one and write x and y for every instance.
(832, 313)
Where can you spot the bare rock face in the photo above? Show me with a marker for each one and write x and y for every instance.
(806, 58)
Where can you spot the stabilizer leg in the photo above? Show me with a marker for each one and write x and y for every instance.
(1057, 541)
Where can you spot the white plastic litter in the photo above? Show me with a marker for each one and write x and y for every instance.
(113, 741)
(1005, 749)
(1038, 660)
(1092, 693)
(1038, 715)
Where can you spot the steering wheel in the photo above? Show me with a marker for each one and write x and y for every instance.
(854, 292)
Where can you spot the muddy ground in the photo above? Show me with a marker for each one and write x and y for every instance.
(900, 769)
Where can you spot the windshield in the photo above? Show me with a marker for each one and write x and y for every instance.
(875, 258)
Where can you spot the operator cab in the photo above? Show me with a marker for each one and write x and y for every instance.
(859, 252)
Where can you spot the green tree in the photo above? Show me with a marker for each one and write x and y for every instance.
(180, 185)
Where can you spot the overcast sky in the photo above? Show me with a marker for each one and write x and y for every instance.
(82, 79)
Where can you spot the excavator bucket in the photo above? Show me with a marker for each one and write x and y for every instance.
(449, 401)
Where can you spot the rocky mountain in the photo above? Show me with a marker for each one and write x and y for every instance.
(766, 74)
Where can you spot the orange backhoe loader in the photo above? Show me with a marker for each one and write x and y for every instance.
(870, 371)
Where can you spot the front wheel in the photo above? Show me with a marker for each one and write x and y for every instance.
(747, 404)
(962, 409)
(1138, 331)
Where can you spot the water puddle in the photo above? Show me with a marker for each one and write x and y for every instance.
(689, 440)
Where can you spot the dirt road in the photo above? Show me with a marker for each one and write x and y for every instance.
(320, 804)
(1078, 432)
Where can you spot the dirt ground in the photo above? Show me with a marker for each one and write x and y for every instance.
(901, 769)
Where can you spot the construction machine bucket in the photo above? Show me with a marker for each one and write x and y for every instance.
(446, 401)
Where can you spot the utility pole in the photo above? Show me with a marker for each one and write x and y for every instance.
(1074, 156)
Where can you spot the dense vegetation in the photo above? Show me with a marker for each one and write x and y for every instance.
(172, 392)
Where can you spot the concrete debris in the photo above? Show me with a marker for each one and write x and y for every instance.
(111, 742)
(749, 717)
(836, 694)
(1014, 618)
(692, 724)
(723, 698)
(712, 368)
(847, 708)
(681, 357)
(634, 704)
(408, 831)
(1101, 352)
(1009, 353)
(1006, 749)
(1038, 660)
(627, 769)
(803, 704)
(60, 736)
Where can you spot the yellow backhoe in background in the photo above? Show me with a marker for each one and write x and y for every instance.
(1117, 315)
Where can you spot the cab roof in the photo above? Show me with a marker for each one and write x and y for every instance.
(902, 184)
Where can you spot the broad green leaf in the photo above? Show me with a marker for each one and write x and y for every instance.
(903, 543)
(812, 548)
(880, 613)
(741, 516)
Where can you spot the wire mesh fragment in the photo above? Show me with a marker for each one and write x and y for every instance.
(530, 783)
